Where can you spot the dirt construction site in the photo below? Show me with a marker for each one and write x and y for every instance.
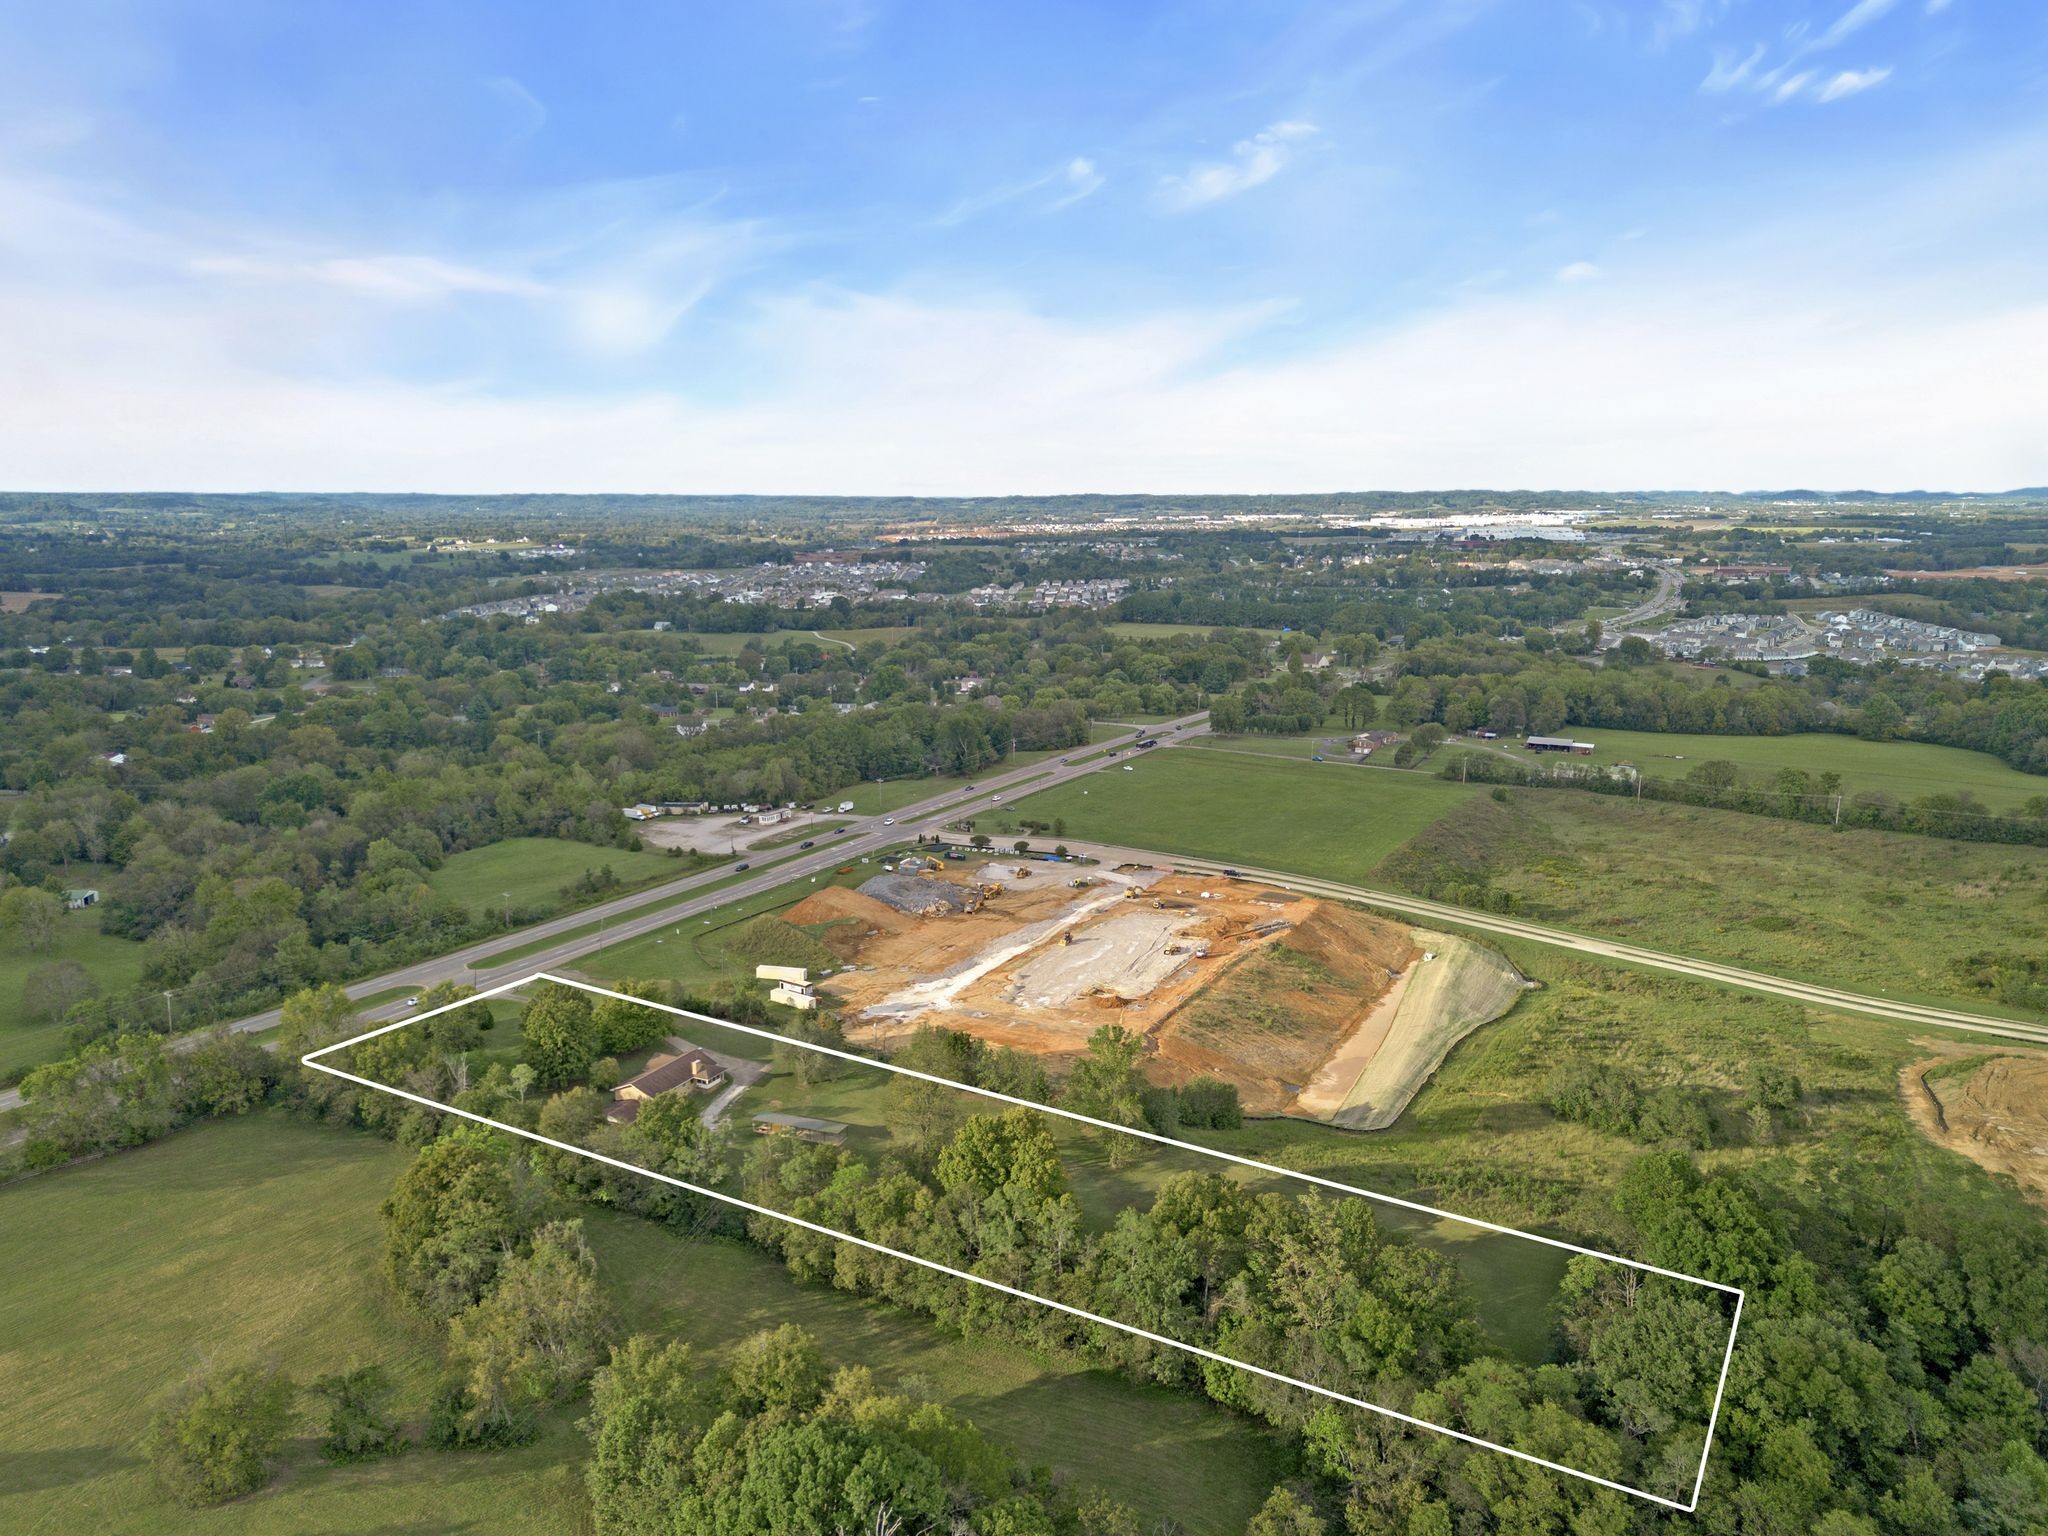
(1309, 1007)
(1991, 1109)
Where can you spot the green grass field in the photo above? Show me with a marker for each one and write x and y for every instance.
(255, 1240)
(1903, 769)
(533, 870)
(1876, 911)
(1326, 819)
(115, 964)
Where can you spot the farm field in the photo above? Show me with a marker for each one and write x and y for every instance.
(1903, 769)
(255, 1240)
(115, 964)
(531, 871)
(1329, 820)
(1920, 918)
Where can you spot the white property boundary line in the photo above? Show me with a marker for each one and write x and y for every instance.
(312, 1059)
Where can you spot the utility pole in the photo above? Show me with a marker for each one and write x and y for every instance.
(1838, 810)
(170, 1025)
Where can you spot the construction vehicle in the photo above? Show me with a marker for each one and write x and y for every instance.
(1080, 883)
(1066, 936)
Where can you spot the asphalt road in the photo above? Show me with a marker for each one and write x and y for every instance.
(647, 910)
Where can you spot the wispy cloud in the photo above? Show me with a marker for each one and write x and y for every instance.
(525, 109)
(1577, 272)
(401, 279)
(1253, 162)
(1068, 184)
(1732, 68)
(1850, 81)
(1793, 78)
(1853, 20)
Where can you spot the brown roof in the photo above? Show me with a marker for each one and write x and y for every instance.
(622, 1111)
(690, 1066)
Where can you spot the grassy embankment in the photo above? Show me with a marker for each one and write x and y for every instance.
(1919, 918)
(256, 1240)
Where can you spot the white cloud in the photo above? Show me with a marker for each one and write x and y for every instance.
(401, 279)
(1850, 81)
(1792, 85)
(1855, 19)
(1082, 179)
(1077, 179)
(1671, 380)
(1732, 68)
(527, 113)
(1253, 162)
(1577, 272)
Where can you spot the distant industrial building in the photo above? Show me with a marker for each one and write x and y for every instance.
(1557, 744)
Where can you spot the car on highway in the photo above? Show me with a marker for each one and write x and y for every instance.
(995, 797)
(809, 842)
(888, 821)
(844, 830)
(742, 866)
(412, 1002)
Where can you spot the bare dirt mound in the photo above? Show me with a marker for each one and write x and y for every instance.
(1993, 1110)
(844, 920)
(1276, 1016)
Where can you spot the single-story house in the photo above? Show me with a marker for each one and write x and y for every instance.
(687, 1070)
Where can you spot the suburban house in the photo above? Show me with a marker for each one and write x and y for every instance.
(686, 1071)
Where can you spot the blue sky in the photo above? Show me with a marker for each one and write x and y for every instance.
(848, 245)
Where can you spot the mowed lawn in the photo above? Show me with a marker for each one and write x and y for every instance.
(257, 1240)
(531, 871)
(1324, 819)
(115, 964)
(1903, 769)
